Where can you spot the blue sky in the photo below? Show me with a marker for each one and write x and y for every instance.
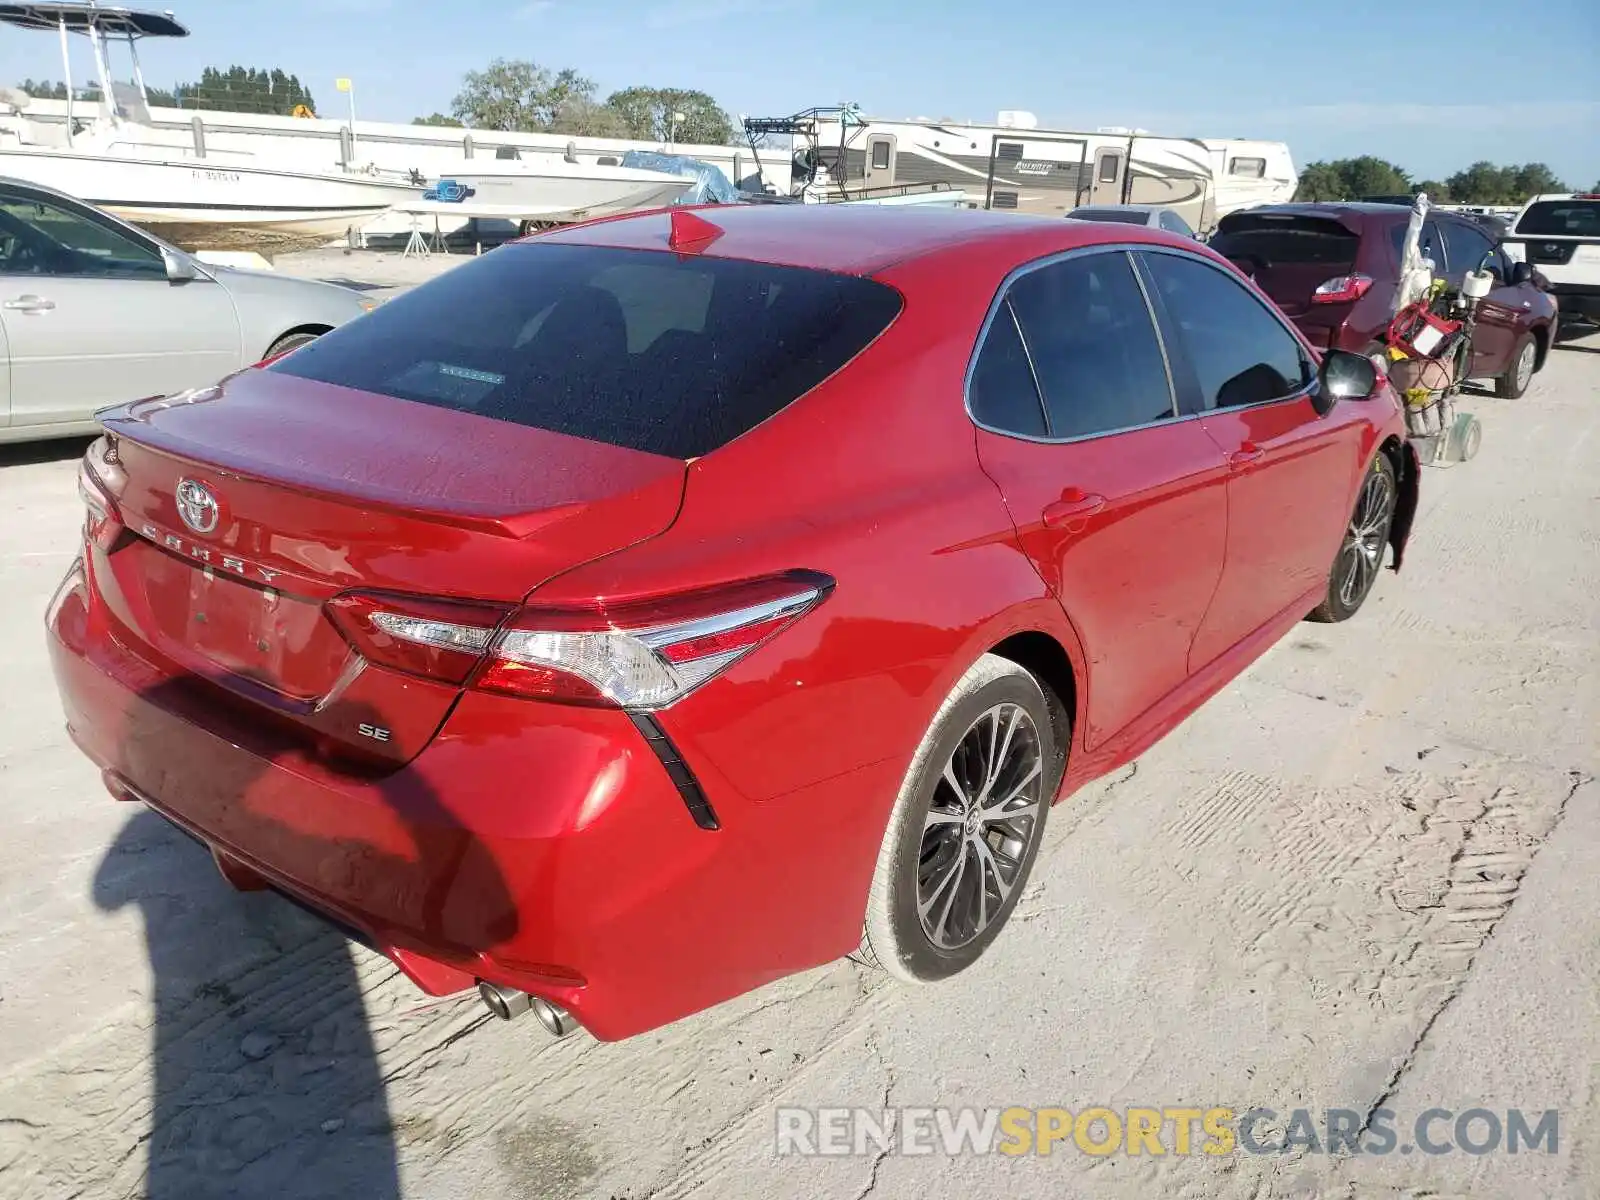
(1330, 79)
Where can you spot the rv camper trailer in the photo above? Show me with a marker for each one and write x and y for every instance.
(1014, 165)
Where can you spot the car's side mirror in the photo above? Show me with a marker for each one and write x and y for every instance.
(1521, 273)
(180, 268)
(1344, 375)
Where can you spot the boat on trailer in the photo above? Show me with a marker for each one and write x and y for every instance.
(115, 158)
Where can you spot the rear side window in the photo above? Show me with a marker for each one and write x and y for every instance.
(1240, 352)
(1250, 168)
(1003, 394)
(642, 349)
(1561, 218)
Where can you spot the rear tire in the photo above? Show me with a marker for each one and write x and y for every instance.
(955, 858)
(1524, 359)
(1360, 558)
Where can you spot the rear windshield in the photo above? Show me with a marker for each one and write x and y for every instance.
(644, 349)
(1269, 241)
(1561, 218)
(1122, 216)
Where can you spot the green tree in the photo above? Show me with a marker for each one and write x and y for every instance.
(1351, 179)
(647, 113)
(1438, 193)
(437, 119)
(44, 89)
(1482, 183)
(582, 117)
(1320, 181)
(244, 89)
(1370, 176)
(1534, 179)
(517, 95)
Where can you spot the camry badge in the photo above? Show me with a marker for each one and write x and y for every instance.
(197, 506)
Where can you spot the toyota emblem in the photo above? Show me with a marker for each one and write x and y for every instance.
(197, 506)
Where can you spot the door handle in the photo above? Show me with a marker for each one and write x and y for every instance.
(1072, 509)
(1246, 454)
(30, 304)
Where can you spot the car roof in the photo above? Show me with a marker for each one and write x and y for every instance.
(854, 239)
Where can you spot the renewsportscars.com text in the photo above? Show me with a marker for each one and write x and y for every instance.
(1100, 1130)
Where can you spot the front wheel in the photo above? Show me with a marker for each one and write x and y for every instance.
(1355, 568)
(288, 342)
(1519, 375)
(966, 826)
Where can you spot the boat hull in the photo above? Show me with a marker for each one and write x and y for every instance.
(578, 195)
(191, 198)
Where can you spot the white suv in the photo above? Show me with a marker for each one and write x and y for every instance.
(1559, 236)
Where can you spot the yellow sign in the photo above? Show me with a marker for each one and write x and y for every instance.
(344, 85)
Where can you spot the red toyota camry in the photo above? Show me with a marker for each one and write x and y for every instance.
(648, 610)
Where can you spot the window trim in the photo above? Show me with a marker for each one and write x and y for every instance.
(1307, 351)
(85, 212)
(1001, 299)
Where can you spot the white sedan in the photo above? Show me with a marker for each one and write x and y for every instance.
(95, 312)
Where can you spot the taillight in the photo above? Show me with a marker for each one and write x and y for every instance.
(437, 639)
(100, 468)
(1342, 289)
(641, 655)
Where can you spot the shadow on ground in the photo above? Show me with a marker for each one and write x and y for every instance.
(266, 1080)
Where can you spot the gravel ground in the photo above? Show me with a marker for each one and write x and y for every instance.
(1363, 876)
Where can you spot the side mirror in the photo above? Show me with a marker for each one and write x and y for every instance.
(1344, 375)
(180, 268)
(1521, 273)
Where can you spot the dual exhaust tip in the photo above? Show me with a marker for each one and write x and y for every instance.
(508, 1003)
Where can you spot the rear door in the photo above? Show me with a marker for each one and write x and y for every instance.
(1291, 472)
(92, 319)
(878, 170)
(1503, 313)
(1121, 506)
(1110, 165)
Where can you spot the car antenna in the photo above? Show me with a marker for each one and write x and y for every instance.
(690, 233)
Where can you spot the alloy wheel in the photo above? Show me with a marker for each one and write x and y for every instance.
(981, 824)
(1524, 367)
(1362, 552)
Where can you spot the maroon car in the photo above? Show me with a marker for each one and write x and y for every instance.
(1334, 268)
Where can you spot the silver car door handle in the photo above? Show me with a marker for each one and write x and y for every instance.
(29, 304)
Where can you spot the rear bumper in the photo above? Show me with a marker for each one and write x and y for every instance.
(554, 855)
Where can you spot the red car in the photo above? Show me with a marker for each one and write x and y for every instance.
(654, 608)
(1334, 269)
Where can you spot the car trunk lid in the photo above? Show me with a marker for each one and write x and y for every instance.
(249, 506)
